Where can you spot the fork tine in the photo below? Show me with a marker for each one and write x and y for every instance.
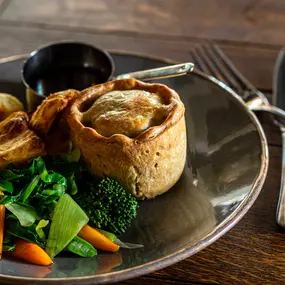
(212, 60)
(198, 61)
(203, 54)
(223, 69)
(231, 68)
(208, 62)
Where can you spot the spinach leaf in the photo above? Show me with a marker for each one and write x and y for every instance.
(45, 199)
(54, 177)
(41, 168)
(45, 211)
(28, 191)
(7, 186)
(32, 169)
(9, 174)
(29, 233)
(39, 228)
(25, 214)
(58, 190)
(5, 199)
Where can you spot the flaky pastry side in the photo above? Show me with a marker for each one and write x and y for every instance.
(18, 143)
(49, 123)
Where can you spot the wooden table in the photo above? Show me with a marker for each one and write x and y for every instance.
(250, 32)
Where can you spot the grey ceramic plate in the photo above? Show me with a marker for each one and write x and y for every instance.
(225, 170)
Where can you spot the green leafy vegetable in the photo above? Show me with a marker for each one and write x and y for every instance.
(108, 205)
(58, 190)
(81, 247)
(54, 177)
(27, 233)
(41, 168)
(38, 205)
(7, 186)
(39, 228)
(67, 221)
(9, 174)
(28, 191)
(34, 186)
(5, 199)
(25, 214)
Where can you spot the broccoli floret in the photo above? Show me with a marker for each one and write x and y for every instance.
(108, 205)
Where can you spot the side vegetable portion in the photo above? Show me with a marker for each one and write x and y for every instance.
(48, 208)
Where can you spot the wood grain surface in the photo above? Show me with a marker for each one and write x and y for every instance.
(22, 39)
(243, 20)
(250, 32)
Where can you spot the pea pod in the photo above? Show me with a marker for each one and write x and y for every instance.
(81, 247)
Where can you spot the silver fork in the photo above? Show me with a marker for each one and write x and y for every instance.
(212, 60)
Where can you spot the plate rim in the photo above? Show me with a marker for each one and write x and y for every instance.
(186, 252)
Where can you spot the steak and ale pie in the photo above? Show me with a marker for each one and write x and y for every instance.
(133, 132)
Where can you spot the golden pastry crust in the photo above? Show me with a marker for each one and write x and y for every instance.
(48, 111)
(148, 164)
(17, 142)
(49, 123)
(127, 112)
(8, 105)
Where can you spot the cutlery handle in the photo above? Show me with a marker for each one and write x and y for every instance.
(280, 214)
(277, 112)
(159, 73)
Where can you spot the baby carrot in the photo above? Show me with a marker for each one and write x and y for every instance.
(30, 252)
(97, 239)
